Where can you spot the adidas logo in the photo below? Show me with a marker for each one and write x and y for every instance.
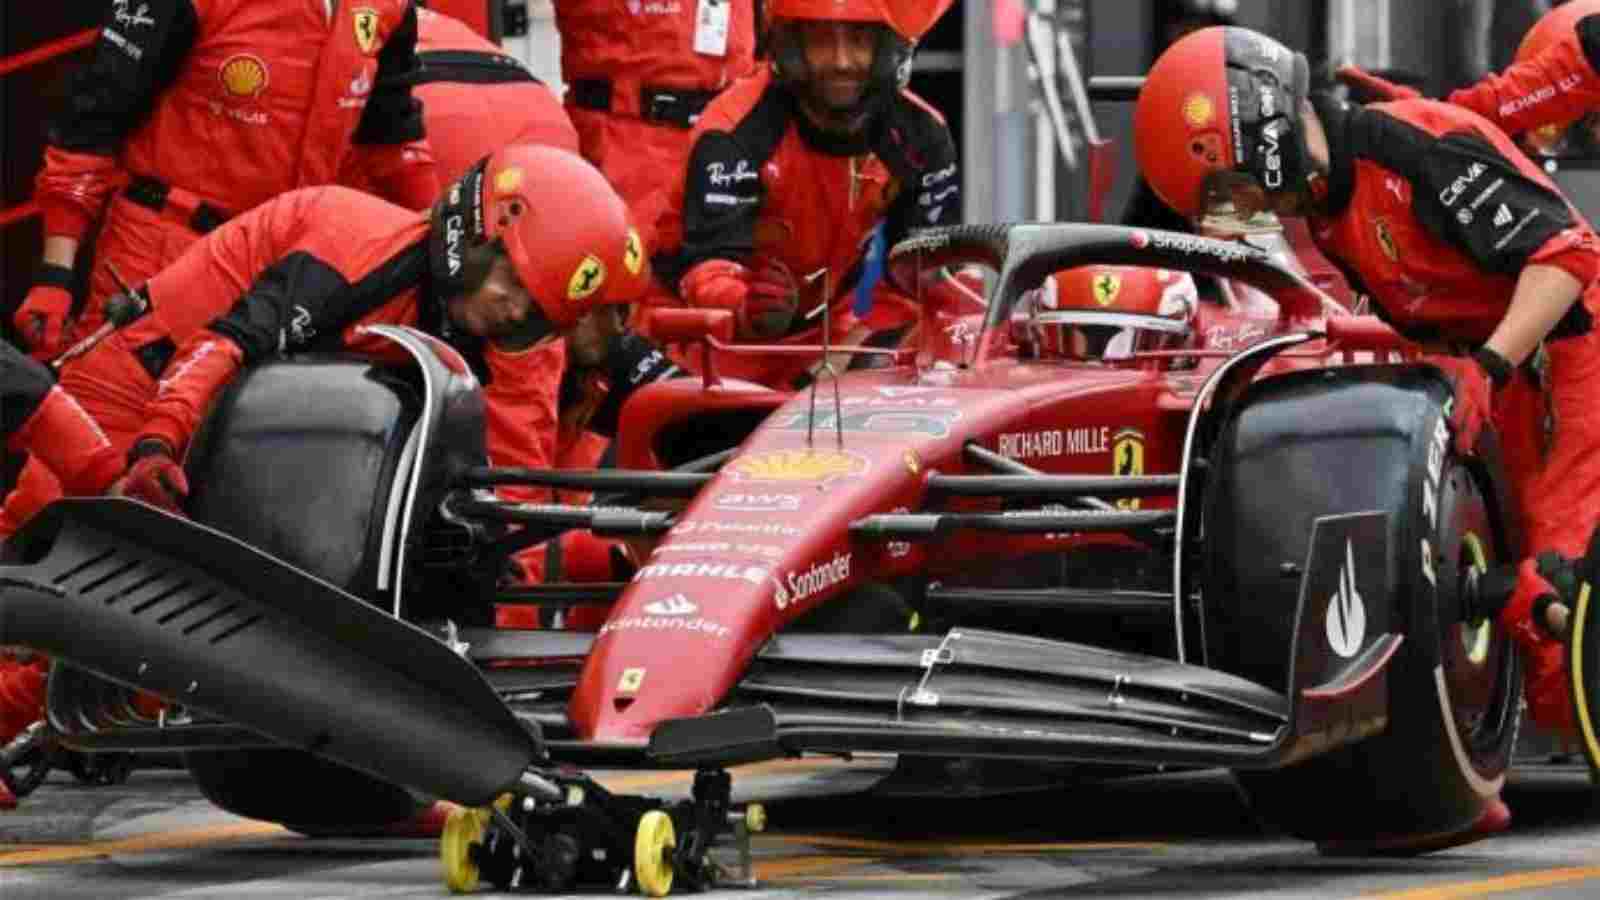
(676, 605)
(1502, 216)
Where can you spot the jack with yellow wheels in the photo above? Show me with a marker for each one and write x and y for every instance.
(653, 845)
(560, 829)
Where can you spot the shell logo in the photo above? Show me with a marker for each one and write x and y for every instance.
(1198, 110)
(508, 180)
(243, 75)
(798, 465)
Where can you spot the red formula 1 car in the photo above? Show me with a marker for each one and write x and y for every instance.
(1251, 549)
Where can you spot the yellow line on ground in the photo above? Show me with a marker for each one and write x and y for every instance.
(144, 843)
(918, 848)
(891, 877)
(1520, 881)
(802, 866)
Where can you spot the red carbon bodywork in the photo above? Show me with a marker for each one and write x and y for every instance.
(768, 540)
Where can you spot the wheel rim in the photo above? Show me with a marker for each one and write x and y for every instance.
(1478, 660)
(1475, 638)
(652, 846)
(463, 828)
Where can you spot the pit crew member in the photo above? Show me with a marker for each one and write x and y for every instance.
(192, 111)
(1455, 235)
(639, 73)
(519, 250)
(45, 421)
(1550, 94)
(42, 419)
(792, 170)
(475, 99)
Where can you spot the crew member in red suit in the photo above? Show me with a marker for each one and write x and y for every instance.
(1456, 236)
(526, 246)
(476, 99)
(193, 111)
(38, 417)
(1551, 92)
(638, 74)
(792, 170)
(302, 270)
(44, 420)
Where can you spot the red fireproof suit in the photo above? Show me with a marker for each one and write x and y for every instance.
(1435, 213)
(1558, 85)
(636, 82)
(43, 419)
(764, 186)
(38, 417)
(195, 110)
(475, 99)
(300, 272)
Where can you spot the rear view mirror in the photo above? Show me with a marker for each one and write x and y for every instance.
(677, 325)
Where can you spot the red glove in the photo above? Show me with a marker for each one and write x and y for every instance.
(716, 284)
(774, 299)
(1474, 396)
(153, 476)
(719, 284)
(1376, 85)
(41, 320)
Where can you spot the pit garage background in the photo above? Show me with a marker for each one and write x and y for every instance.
(990, 90)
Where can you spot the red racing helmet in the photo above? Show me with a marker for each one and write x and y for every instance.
(1110, 312)
(1553, 28)
(790, 22)
(1222, 101)
(913, 19)
(568, 234)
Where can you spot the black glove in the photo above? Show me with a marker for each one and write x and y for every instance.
(631, 363)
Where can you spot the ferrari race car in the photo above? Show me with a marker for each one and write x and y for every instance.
(1251, 547)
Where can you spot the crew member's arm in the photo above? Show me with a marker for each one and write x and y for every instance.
(390, 145)
(722, 200)
(1516, 224)
(1501, 214)
(920, 150)
(309, 294)
(46, 422)
(139, 53)
(1557, 86)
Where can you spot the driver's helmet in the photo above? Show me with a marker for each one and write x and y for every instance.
(1556, 27)
(1220, 110)
(1110, 312)
(791, 23)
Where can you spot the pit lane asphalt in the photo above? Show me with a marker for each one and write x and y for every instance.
(1160, 837)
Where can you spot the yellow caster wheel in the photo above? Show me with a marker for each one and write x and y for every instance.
(463, 828)
(652, 848)
(755, 818)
